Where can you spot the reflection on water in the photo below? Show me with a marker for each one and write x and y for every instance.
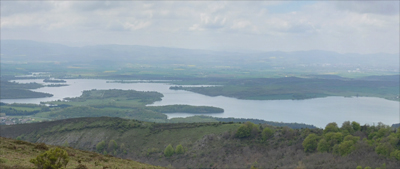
(318, 111)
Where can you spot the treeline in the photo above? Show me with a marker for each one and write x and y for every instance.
(145, 97)
(54, 81)
(298, 88)
(351, 136)
(258, 121)
(185, 109)
(14, 112)
(22, 109)
(138, 113)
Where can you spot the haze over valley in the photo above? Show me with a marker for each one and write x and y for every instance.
(200, 84)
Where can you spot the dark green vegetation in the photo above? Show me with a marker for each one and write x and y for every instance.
(351, 137)
(120, 103)
(54, 81)
(186, 109)
(300, 88)
(220, 145)
(22, 109)
(17, 154)
(128, 104)
(12, 90)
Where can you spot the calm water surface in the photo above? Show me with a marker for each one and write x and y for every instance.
(318, 112)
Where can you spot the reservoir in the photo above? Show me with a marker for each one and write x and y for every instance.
(318, 111)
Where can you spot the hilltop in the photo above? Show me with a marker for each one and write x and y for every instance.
(219, 144)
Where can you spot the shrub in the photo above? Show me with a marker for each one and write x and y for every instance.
(169, 151)
(81, 166)
(66, 144)
(395, 154)
(54, 158)
(41, 146)
(179, 149)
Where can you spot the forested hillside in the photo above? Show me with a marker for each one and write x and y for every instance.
(221, 144)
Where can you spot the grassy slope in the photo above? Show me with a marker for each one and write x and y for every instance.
(16, 154)
(207, 144)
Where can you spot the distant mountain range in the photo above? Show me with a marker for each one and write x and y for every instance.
(27, 51)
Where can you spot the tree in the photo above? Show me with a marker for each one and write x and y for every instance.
(333, 138)
(351, 138)
(356, 126)
(169, 151)
(346, 147)
(54, 158)
(179, 149)
(247, 129)
(100, 146)
(243, 132)
(66, 144)
(331, 127)
(267, 133)
(346, 126)
(323, 146)
(310, 143)
(112, 145)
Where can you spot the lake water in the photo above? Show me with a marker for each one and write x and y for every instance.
(318, 112)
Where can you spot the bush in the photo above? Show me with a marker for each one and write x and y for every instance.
(54, 158)
(41, 146)
(81, 166)
(395, 154)
(179, 149)
(169, 151)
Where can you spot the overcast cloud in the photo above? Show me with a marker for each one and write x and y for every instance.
(356, 26)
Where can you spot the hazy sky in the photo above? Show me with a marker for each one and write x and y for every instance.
(356, 26)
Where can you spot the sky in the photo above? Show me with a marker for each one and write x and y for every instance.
(340, 26)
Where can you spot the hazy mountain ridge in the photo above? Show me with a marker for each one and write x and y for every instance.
(22, 50)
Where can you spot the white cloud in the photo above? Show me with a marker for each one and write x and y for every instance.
(338, 26)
